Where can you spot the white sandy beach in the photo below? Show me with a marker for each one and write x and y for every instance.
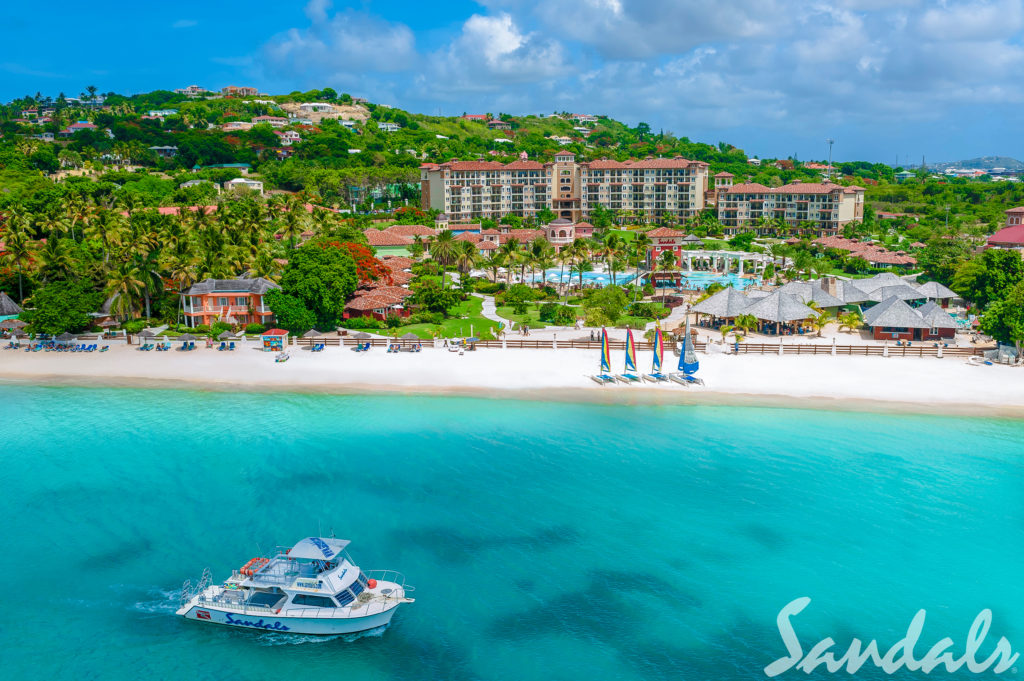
(861, 383)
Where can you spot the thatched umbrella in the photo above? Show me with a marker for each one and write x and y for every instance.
(410, 336)
(18, 333)
(65, 337)
(108, 323)
(146, 333)
(13, 324)
(187, 337)
(312, 333)
(225, 335)
(361, 335)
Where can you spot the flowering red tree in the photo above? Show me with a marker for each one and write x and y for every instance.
(368, 267)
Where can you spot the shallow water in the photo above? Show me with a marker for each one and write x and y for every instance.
(545, 540)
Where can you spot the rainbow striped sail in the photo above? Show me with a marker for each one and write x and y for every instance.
(606, 355)
(659, 351)
(630, 351)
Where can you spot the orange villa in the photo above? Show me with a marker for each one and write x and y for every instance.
(237, 301)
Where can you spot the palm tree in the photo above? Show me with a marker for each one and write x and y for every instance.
(492, 264)
(612, 248)
(667, 263)
(641, 242)
(850, 321)
(581, 251)
(466, 256)
(19, 248)
(125, 284)
(819, 321)
(742, 325)
(509, 252)
(443, 250)
(57, 261)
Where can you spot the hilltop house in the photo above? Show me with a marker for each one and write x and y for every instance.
(1012, 235)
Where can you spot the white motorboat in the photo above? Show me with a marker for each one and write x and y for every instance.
(311, 588)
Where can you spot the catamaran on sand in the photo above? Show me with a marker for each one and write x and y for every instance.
(311, 588)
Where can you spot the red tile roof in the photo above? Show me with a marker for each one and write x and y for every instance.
(411, 230)
(1016, 211)
(397, 262)
(869, 252)
(666, 232)
(376, 237)
(1008, 236)
(748, 188)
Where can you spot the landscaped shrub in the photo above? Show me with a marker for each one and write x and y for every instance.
(559, 315)
(424, 318)
(218, 328)
(362, 323)
(255, 328)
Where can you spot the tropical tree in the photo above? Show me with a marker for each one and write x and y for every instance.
(18, 250)
(850, 321)
(741, 326)
(819, 321)
(667, 262)
(444, 251)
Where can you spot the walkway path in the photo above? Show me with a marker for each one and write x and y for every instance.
(490, 310)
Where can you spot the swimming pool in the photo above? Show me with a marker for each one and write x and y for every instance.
(701, 280)
(601, 278)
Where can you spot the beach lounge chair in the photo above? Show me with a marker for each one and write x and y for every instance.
(223, 347)
(104, 348)
(231, 346)
(191, 345)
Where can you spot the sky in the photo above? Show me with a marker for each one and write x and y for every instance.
(888, 80)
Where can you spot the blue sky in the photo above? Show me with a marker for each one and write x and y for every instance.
(887, 79)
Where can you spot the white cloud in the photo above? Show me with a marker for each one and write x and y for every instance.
(492, 53)
(344, 45)
(973, 21)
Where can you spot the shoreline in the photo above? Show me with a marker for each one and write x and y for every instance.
(667, 395)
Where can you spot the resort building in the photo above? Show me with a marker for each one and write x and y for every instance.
(467, 190)
(1012, 235)
(397, 239)
(273, 121)
(388, 127)
(875, 255)
(822, 208)
(894, 319)
(191, 91)
(236, 301)
(244, 183)
(236, 91)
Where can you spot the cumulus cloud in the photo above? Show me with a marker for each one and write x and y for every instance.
(347, 42)
(492, 53)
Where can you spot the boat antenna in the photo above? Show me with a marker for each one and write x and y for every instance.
(259, 549)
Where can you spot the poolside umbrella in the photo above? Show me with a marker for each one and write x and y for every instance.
(13, 324)
(312, 333)
(108, 323)
(474, 339)
(224, 335)
(18, 333)
(187, 337)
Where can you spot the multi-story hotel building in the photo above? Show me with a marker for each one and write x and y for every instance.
(487, 189)
(828, 207)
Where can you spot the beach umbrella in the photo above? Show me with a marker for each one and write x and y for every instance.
(410, 336)
(66, 337)
(361, 335)
(474, 339)
(146, 333)
(224, 335)
(13, 324)
(312, 333)
(108, 323)
(18, 333)
(187, 337)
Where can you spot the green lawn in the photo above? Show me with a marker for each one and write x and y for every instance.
(531, 318)
(473, 324)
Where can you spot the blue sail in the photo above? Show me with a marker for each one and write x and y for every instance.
(688, 363)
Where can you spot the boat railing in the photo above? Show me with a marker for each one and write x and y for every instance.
(238, 606)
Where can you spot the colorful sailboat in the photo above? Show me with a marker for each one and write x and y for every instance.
(629, 374)
(606, 361)
(659, 357)
(688, 362)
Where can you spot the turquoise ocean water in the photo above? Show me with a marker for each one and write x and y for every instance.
(545, 540)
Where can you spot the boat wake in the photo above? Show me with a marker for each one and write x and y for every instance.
(274, 638)
(160, 601)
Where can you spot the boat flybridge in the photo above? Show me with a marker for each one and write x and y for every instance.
(311, 588)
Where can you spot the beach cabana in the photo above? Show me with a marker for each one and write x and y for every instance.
(274, 340)
(812, 293)
(894, 319)
(726, 304)
(8, 308)
(779, 309)
(933, 290)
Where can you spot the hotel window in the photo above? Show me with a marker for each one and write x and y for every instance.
(222, 301)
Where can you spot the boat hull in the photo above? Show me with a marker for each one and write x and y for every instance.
(318, 626)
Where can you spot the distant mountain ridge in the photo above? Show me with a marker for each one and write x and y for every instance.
(984, 163)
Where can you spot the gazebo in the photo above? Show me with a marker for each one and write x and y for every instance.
(779, 310)
(726, 304)
(8, 308)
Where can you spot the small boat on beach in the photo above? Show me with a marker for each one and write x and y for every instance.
(310, 588)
